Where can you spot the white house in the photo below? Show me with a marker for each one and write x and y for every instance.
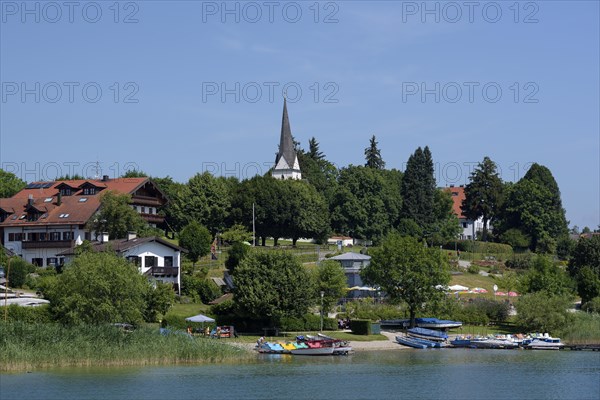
(469, 228)
(156, 258)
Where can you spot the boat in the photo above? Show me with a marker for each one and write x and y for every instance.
(313, 351)
(428, 334)
(434, 323)
(545, 343)
(410, 342)
(494, 342)
(428, 343)
(461, 342)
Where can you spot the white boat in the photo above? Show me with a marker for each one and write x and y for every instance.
(315, 351)
(543, 343)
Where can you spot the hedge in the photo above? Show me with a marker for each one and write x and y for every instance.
(40, 314)
(360, 326)
(479, 247)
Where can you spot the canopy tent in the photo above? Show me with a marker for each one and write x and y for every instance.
(458, 288)
(200, 318)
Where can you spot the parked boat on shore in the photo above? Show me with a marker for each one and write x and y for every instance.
(428, 334)
(430, 323)
(543, 343)
(410, 342)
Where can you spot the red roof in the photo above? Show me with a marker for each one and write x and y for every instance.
(458, 195)
(75, 209)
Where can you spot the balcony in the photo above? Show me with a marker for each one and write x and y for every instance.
(146, 201)
(48, 244)
(163, 271)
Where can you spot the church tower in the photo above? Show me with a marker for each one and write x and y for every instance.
(286, 161)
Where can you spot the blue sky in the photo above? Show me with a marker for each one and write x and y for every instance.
(191, 86)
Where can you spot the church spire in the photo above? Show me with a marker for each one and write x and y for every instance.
(286, 162)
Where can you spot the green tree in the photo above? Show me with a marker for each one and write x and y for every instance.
(373, 155)
(538, 312)
(236, 254)
(313, 150)
(68, 177)
(98, 288)
(445, 227)
(418, 189)
(308, 215)
(584, 266)
(509, 281)
(544, 276)
(516, 239)
(159, 300)
(10, 184)
(116, 216)
(483, 194)
(134, 173)
(237, 233)
(331, 280)
(406, 270)
(205, 199)
(196, 239)
(533, 206)
(273, 285)
(366, 203)
(19, 269)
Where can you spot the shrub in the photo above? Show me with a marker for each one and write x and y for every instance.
(360, 326)
(539, 312)
(473, 269)
(592, 306)
(309, 322)
(29, 315)
(481, 247)
(520, 261)
(19, 269)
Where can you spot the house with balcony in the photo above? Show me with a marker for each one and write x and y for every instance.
(155, 258)
(47, 218)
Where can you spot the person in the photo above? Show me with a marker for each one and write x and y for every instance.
(207, 332)
(218, 332)
(458, 254)
(189, 330)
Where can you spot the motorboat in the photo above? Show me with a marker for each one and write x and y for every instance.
(543, 343)
(430, 323)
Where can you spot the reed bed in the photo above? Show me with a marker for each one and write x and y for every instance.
(585, 329)
(26, 346)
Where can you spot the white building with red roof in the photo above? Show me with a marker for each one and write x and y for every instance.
(46, 218)
(469, 228)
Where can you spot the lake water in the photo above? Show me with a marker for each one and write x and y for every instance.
(407, 374)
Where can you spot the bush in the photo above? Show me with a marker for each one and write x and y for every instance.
(199, 288)
(360, 326)
(224, 308)
(473, 269)
(539, 312)
(29, 315)
(483, 247)
(520, 261)
(309, 322)
(19, 269)
(592, 306)
(367, 309)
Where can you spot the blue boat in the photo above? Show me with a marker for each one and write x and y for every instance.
(428, 334)
(410, 342)
(430, 323)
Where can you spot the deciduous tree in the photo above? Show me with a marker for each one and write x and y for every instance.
(116, 216)
(196, 239)
(10, 184)
(331, 280)
(407, 270)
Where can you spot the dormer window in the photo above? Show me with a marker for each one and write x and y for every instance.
(32, 216)
(89, 191)
(65, 191)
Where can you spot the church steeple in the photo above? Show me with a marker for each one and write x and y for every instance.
(286, 162)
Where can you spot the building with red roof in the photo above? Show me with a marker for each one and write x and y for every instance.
(46, 218)
(469, 228)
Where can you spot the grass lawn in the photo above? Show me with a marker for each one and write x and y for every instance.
(474, 280)
(189, 310)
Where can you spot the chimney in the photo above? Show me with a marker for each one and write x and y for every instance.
(104, 237)
(59, 199)
(451, 186)
(462, 186)
(30, 200)
(104, 178)
(131, 235)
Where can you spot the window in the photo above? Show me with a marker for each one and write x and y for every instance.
(89, 190)
(464, 224)
(83, 199)
(15, 237)
(150, 261)
(2, 216)
(143, 210)
(54, 235)
(87, 236)
(11, 237)
(68, 235)
(168, 261)
(32, 216)
(38, 262)
(48, 200)
(65, 191)
(52, 261)
(135, 260)
(42, 236)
